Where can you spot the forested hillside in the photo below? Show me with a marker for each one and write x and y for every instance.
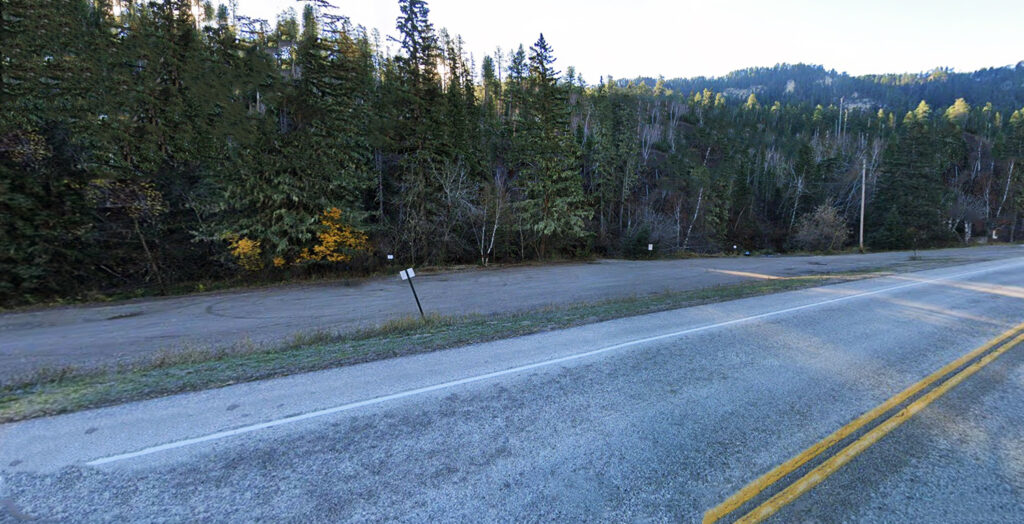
(1002, 87)
(144, 145)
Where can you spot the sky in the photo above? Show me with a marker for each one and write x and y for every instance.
(629, 38)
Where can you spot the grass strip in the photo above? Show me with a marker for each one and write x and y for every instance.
(51, 392)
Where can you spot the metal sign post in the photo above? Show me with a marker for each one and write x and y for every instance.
(407, 274)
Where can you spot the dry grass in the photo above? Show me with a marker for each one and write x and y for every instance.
(62, 390)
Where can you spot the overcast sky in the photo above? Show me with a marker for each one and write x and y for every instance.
(627, 38)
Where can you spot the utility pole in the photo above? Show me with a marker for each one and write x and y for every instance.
(863, 193)
(839, 124)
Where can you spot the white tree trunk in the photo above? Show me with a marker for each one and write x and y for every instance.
(696, 212)
(1006, 190)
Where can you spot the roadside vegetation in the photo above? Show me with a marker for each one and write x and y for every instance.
(262, 151)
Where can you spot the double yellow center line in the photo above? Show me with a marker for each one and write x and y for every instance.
(984, 355)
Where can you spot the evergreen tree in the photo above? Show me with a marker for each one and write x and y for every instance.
(419, 132)
(751, 102)
(46, 119)
(909, 205)
(319, 161)
(177, 141)
(958, 112)
(555, 204)
(615, 155)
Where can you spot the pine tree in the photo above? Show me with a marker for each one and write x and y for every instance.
(555, 203)
(160, 142)
(659, 87)
(958, 112)
(518, 70)
(909, 206)
(615, 155)
(923, 112)
(751, 103)
(419, 133)
(320, 160)
(45, 119)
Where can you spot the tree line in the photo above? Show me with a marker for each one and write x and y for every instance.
(1002, 86)
(151, 145)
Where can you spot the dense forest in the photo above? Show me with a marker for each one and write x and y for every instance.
(153, 145)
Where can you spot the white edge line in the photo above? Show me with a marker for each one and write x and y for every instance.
(518, 369)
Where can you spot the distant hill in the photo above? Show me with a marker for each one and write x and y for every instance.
(813, 84)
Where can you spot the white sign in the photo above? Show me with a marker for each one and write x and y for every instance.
(650, 247)
(391, 257)
(407, 274)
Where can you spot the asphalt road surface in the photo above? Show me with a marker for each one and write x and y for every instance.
(657, 418)
(109, 333)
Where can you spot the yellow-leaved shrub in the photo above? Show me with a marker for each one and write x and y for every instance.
(338, 241)
(247, 253)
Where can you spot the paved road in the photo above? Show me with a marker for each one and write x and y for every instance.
(105, 334)
(652, 418)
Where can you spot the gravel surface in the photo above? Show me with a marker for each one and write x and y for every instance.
(659, 431)
(105, 334)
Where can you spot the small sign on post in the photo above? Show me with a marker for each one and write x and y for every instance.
(650, 247)
(407, 274)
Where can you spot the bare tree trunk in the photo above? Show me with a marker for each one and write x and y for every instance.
(679, 220)
(149, 254)
(481, 243)
(839, 123)
(988, 202)
(586, 128)
(649, 133)
(976, 170)
(522, 239)
(494, 232)
(846, 124)
(452, 179)
(485, 255)
(675, 113)
(696, 211)
(796, 201)
(379, 161)
(1006, 190)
